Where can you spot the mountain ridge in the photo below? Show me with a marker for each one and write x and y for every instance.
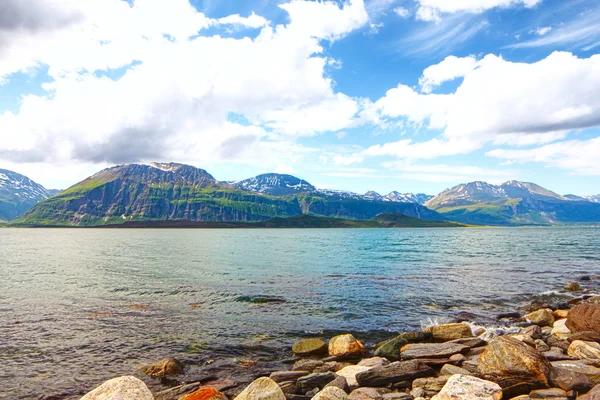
(19, 193)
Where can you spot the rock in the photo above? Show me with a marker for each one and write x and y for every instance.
(541, 317)
(560, 329)
(515, 366)
(585, 336)
(414, 337)
(262, 389)
(594, 394)
(572, 287)
(395, 372)
(307, 365)
(205, 394)
(345, 346)
(431, 350)
(560, 314)
(449, 369)
(374, 362)
(391, 348)
(569, 379)
(397, 396)
(317, 380)
(166, 367)
(309, 347)
(465, 387)
(350, 374)
(580, 367)
(509, 315)
(556, 354)
(339, 382)
(525, 339)
(553, 341)
(331, 366)
(312, 392)
(417, 392)
(123, 388)
(288, 387)
(446, 332)
(548, 394)
(584, 350)
(541, 346)
(283, 376)
(459, 358)
(331, 393)
(365, 393)
(533, 331)
(431, 385)
(584, 318)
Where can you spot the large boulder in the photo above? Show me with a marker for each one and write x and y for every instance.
(309, 347)
(345, 346)
(123, 388)
(446, 332)
(206, 393)
(569, 379)
(431, 350)
(584, 317)
(515, 366)
(166, 367)
(580, 367)
(584, 350)
(331, 393)
(395, 372)
(262, 389)
(465, 387)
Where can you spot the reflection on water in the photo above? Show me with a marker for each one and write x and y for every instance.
(80, 306)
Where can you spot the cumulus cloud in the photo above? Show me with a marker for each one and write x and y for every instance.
(431, 10)
(176, 89)
(402, 12)
(451, 68)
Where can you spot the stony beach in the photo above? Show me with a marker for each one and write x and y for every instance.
(540, 351)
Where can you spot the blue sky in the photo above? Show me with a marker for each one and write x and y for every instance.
(406, 95)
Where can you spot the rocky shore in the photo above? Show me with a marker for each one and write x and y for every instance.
(546, 351)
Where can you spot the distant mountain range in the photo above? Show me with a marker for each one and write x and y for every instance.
(19, 193)
(172, 192)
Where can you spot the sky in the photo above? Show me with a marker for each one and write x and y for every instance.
(406, 95)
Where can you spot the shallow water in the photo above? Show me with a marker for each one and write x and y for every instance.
(80, 306)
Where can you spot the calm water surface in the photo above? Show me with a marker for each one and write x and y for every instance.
(80, 306)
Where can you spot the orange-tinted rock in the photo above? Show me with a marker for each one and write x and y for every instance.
(584, 317)
(345, 345)
(205, 394)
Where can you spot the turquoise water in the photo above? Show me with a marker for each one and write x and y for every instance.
(80, 306)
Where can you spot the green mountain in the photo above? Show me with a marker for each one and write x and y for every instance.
(18, 194)
(167, 192)
(512, 203)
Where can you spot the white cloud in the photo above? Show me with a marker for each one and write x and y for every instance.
(431, 10)
(347, 160)
(445, 173)
(543, 31)
(176, 100)
(579, 157)
(402, 12)
(451, 68)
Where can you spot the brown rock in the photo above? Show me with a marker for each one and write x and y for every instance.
(283, 376)
(167, 367)
(331, 393)
(580, 367)
(365, 393)
(585, 336)
(560, 314)
(594, 394)
(541, 317)
(548, 394)
(573, 287)
(449, 369)
(374, 362)
(515, 366)
(534, 331)
(306, 365)
(446, 332)
(262, 389)
(584, 318)
(309, 347)
(395, 372)
(312, 381)
(431, 385)
(205, 394)
(570, 379)
(340, 382)
(345, 345)
(431, 350)
(584, 350)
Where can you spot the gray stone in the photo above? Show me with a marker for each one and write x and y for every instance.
(449, 369)
(262, 389)
(395, 372)
(466, 387)
(282, 376)
(316, 380)
(123, 388)
(331, 393)
(431, 350)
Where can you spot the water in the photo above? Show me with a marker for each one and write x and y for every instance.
(80, 306)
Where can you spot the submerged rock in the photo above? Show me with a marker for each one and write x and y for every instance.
(309, 347)
(515, 366)
(123, 388)
(345, 345)
(464, 387)
(584, 317)
(163, 368)
(262, 389)
(573, 287)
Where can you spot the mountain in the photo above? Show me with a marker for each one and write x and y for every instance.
(419, 198)
(18, 194)
(593, 199)
(167, 192)
(275, 185)
(511, 203)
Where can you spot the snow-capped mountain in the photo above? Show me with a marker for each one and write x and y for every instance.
(18, 194)
(591, 199)
(275, 184)
(419, 198)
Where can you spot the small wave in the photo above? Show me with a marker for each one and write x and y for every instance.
(261, 299)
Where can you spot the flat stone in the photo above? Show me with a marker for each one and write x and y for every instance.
(205, 394)
(309, 347)
(446, 332)
(465, 387)
(585, 336)
(449, 369)
(541, 317)
(470, 341)
(580, 367)
(431, 385)
(534, 331)
(283, 376)
(288, 387)
(123, 388)
(584, 318)
(556, 354)
(340, 382)
(262, 389)
(395, 372)
(570, 379)
(163, 368)
(350, 374)
(548, 394)
(365, 393)
(306, 365)
(374, 362)
(431, 350)
(345, 346)
(316, 380)
(514, 366)
(584, 350)
(331, 393)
